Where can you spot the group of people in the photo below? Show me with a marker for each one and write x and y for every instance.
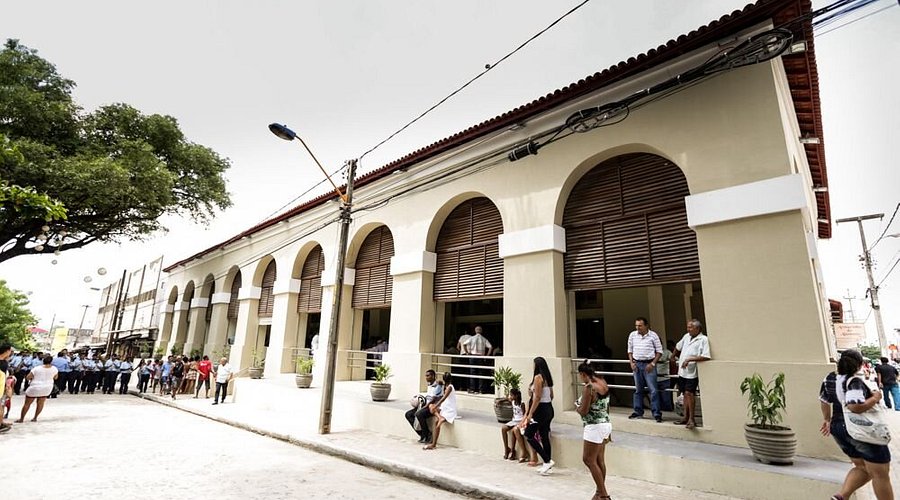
(41, 376)
(185, 375)
(527, 436)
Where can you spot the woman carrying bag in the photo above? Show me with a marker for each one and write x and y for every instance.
(846, 396)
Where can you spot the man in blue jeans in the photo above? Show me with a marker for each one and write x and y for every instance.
(887, 382)
(644, 350)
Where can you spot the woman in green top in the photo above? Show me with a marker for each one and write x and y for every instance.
(593, 406)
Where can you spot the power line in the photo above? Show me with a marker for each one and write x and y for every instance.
(886, 227)
(487, 68)
(848, 23)
(888, 273)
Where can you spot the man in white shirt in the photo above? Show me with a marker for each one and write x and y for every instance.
(644, 350)
(224, 374)
(693, 348)
(477, 345)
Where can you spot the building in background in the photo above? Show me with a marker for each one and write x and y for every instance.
(128, 311)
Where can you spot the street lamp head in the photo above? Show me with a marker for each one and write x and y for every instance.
(282, 131)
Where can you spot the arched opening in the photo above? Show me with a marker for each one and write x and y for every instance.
(629, 253)
(309, 300)
(372, 293)
(184, 319)
(209, 288)
(468, 283)
(233, 306)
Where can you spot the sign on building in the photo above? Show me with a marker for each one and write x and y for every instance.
(849, 335)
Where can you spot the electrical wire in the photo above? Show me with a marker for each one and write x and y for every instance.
(889, 270)
(848, 23)
(301, 195)
(886, 227)
(487, 68)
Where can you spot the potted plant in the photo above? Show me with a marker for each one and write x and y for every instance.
(770, 443)
(304, 373)
(506, 379)
(256, 365)
(380, 389)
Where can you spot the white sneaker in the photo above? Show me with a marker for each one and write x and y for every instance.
(544, 470)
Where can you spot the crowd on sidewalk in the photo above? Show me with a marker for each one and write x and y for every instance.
(41, 376)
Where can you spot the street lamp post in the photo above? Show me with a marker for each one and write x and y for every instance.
(344, 220)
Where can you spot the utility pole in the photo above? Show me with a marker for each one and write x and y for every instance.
(331, 354)
(850, 299)
(867, 263)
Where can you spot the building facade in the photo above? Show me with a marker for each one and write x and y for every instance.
(675, 185)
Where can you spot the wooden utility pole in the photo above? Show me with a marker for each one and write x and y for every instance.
(867, 264)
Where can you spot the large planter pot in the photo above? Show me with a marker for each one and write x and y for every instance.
(256, 372)
(380, 391)
(304, 380)
(771, 446)
(503, 409)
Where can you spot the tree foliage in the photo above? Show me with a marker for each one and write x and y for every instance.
(115, 170)
(15, 318)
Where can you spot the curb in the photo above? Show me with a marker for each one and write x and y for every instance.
(425, 476)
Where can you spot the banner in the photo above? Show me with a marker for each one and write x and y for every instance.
(60, 337)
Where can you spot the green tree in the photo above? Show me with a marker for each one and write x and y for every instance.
(870, 351)
(108, 175)
(15, 318)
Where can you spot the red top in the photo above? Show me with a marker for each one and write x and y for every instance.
(204, 368)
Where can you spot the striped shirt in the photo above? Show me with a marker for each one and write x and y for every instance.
(644, 347)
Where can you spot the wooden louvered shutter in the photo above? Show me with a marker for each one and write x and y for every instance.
(468, 263)
(626, 225)
(234, 303)
(310, 300)
(267, 295)
(374, 282)
(209, 308)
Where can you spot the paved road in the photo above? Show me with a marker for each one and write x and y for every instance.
(83, 445)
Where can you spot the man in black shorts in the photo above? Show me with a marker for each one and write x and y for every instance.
(692, 349)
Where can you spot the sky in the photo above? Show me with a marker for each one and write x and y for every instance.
(345, 74)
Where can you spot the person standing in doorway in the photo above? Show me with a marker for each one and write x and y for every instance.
(693, 348)
(479, 346)
(663, 380)
(644, 350)
(223, 374)
(463, 383)
(887, 382)
(539, 414)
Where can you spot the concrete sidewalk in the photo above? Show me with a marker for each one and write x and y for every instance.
(448, 468)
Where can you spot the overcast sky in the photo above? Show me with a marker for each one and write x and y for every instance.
(345, 74)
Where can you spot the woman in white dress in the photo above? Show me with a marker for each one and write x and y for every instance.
(444, 410)
(41, 385)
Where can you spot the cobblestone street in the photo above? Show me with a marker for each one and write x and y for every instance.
(84, 445)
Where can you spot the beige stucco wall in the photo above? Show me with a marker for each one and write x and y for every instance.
(762, 295)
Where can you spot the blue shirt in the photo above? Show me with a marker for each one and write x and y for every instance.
(125, 367)
(88, 365)
(166, 369)
(35, 362)
(61, 364)
(76, 364)
(15, 361)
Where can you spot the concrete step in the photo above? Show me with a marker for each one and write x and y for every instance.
(649, 451)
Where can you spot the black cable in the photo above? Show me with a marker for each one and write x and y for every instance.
(301, 195)
(855, 20)
(888, 273)
(488, 67)
(888, 226)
